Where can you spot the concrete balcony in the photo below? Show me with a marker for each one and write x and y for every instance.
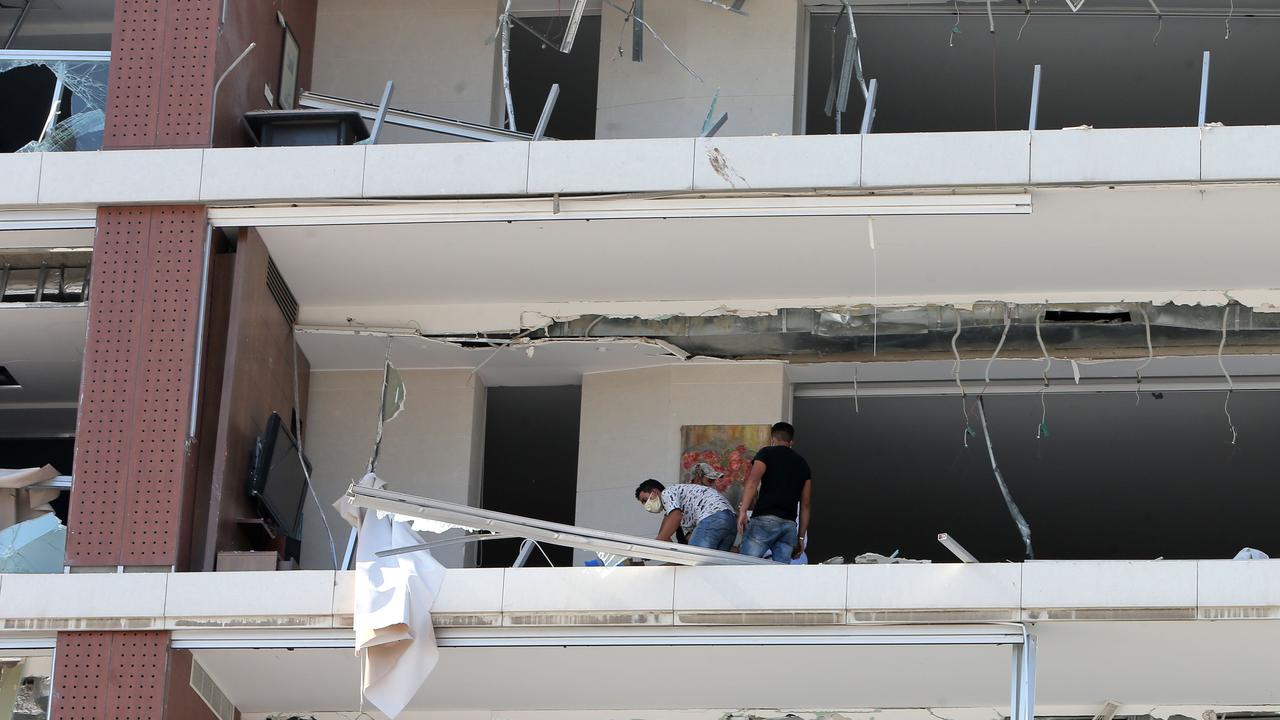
(820, 595)
(744, 164)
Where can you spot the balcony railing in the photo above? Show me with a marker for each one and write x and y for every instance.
(76, 106)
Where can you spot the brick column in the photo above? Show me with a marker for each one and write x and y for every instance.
(131, 503)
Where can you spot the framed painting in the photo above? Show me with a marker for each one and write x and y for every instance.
(726, 449)
(290, 56)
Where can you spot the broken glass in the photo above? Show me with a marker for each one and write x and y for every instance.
(86, 79)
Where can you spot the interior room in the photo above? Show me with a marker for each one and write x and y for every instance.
(939, 67)
(45, 283)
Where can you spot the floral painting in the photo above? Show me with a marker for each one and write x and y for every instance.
(728, 449)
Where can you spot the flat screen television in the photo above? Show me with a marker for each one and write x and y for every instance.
(277, 481)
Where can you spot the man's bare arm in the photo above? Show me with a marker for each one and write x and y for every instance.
(803, 529)
(669, 524)
(751, 486)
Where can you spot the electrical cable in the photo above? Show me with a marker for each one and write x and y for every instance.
(306, 473)
(1043, 430)
(1230, 12)
(1226, 404)
(1151, 355)
(955, 372)
(955, 29)
(999, 346)
(855, 390)
(544, 553)
(1025, 20)
(657, 37)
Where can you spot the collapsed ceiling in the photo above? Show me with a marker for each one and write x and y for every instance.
(866, 332)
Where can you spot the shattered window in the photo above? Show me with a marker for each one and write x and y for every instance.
(26, 684)
(69, 115)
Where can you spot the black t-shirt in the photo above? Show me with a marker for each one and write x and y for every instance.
(785, 473)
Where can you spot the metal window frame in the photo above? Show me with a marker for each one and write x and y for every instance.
(62, 219)
(541, 530)
(545, 209)
(57, 55)
(419, 121)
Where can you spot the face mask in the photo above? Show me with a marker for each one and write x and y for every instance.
(653, 504)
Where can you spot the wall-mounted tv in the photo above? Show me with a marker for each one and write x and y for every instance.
(278, 481)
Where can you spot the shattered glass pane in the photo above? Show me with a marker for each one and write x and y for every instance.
(87, 81)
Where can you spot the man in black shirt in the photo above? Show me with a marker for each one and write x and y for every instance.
(779, 483)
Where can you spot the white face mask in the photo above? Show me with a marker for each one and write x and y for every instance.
(653, 504)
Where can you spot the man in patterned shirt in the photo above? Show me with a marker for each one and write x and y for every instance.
(701, 512)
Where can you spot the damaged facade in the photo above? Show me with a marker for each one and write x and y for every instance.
(1007, 265)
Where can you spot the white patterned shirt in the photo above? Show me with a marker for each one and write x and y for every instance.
(697, 502)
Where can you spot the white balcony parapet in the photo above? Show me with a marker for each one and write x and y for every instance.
(823, 164)
(742, 596)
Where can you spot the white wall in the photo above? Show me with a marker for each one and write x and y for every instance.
(631, 430)
(434, 50)
(432, 448)
(752, 59)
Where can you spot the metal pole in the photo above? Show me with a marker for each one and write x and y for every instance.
(54, 108)
(1204, 88)
(526, 549)
(17, 24)
(382, 113)
(213, 101)
(1027, 701)
(869, 112)
(956, 548)
(1015, 683)
(1035, 98)
(200, 322)
(547, 108)
(637, 32)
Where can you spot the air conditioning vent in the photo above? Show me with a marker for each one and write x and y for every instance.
(285, 300)
(210, 693)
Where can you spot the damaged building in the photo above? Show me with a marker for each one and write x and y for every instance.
(1008, 266)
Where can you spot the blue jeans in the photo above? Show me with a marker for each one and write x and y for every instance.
(769, 532)
(716, 531)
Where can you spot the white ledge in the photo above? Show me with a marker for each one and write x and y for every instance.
(711, 596)
(776, 163)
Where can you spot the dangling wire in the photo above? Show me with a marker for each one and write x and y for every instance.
(986, 378)
(1226, 404)
(1151, 354)
(955, 372)
(875, 288)
(1043, 430)
(1159, 29)
(955, 29)
(1230, 12)
(1026, 19)
(855, 389)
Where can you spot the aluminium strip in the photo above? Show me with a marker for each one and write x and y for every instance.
(420, 121)
(618, 208)
(543, 531)
(936, 388)
(232, 639)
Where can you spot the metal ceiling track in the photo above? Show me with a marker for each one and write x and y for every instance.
(580, 538)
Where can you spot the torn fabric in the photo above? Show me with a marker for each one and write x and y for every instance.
(393, 599)
(1024, 529)
(82, 129)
